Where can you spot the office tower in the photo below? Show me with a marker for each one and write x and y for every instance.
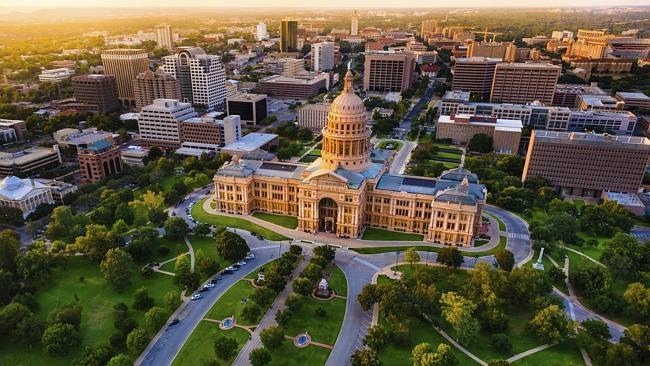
(150, 85)
(354, 26)
(428, 28)
(98, 161)
(288, 35)
(566, 95)
(261, 33)
(560, 35)
(474, 75)
(503, 50)
(524, 83)
(388, 72)
(159, 123)
(323, 56)
(302, 86)
(586, 164)
(164, 37)
(251, 108)
(125, 64)
(99, 92)
(202, 76)
(460, 129)
(589, 44)
(209, 133)
(313, 116)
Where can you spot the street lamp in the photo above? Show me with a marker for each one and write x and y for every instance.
(396, 259)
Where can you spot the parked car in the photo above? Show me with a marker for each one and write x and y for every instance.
(241, 263)
(250, 256)
(196, 296)
(203, 289)
(209, 285)
(174, 322)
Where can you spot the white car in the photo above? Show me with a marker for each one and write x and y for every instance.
(250, 256)
(209, 285)
(196, 296)
(241, 263)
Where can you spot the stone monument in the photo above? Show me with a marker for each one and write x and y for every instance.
(323, 289)
(539, 265)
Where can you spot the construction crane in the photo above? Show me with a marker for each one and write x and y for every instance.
(485, 34)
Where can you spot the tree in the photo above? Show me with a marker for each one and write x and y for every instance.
(500, 342)
(272, 337)
(154, 319)
(525, 284)
(590, 279)
(175, 228)
(302, 286)
(365, 357)
(369, 295)
(141, 299)
(505, 259)
(596, 329)
(225, 347)
(411, 256)
(9, 246)
(95, 355)
(425, 355)
(172, 300)
(498, 363)
(202, 229)
(325, 251)
(457, 310)
(137, 340)
(60, 339)
(120, 360)
(231, 246)
(12, 315)
(295, 302)
(552, 325)
(637, 336)
(68, 314)
(622, 255)
(97, 241)
(450, 256)
(30, 330)
(376, 337)
(637, 296)
(259, 357)
(620, 354)
(11, 216)
(263, 296)
(480, 143)
(116, 268)
(251, 311)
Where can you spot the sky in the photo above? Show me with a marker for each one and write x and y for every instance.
(302, 3)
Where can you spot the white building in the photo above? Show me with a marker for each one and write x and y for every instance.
(323, 56)
(159, 123)
(354, 26)
(164, 37)
(261, 34)
(24, 194)
(55, 75)
(313, 116)
(560, 35)
(202, 76)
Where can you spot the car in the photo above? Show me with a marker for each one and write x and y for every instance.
(235, 267)
(218, 278)
(250, 256)
(226, 271)
(241, 263)
(260, 237)
(174, 322)
(196, 296)
(209, 285)
(173, 213)
(230, 268)
(203, 289)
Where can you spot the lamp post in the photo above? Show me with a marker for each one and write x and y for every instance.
(396, 260)
(427, 261)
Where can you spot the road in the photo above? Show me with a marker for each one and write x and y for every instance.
(169, 341)
(517, 233)
(578, 312)
(417, 108)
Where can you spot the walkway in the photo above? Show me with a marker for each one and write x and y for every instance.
(269, 318)
(191, 252)
(530, 352)
(584, 255)
(459, 347)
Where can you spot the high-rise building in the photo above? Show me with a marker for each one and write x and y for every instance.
(561, 35)
(202, 76)
(460, 129)
(99, 92)
(150, 85)
(313, 116)
(207, 133)
(323, 56)
(98, 161)
(589, 44)
(507, 51)
(524, 83)
(251, 108)
(354, 26)
(474, 75)
(586, 164)
(288, 35)
(388, 72)
(428, 28)
(125, 64)
(261, 33)
(159, 123)
(164, 37)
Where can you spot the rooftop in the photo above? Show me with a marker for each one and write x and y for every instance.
(631, 95)
(592, 138)
(25, 156)
(251, 142)
(599, 101)
(499, 124)
(307, 79)
(456, 95)
(15, 189)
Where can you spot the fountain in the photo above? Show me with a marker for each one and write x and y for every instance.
(323, 290)
(227, 323)
(302, 340)
(539, 265)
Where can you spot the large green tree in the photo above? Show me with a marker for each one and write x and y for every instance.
(116, 268)
(552, 324)
(231, 246)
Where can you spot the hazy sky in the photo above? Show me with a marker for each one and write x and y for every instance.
(303, 3)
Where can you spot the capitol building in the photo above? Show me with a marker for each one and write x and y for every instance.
(349, 187)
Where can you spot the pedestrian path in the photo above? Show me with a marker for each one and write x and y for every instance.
(530, 352)
(512, 235)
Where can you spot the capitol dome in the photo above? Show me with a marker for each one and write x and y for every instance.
(348, 102)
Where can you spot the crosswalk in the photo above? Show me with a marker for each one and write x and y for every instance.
(641, 236)
(518, 236)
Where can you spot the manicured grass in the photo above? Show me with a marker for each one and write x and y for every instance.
(290, 222)
(176, 247)
(289, 355)
(502, 225)
(235, 222)
(308, 159)
(97, 299)
(503, 241)
(199, 348)
(230, 303)
(447, 155)
(565, 354)
(397, 145)
(337, 280)
(374, 233)
(322, 329)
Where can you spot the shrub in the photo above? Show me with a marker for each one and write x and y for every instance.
(295, 249)
(295, 302)
(320, 312)
(272, 337)
(163, 250)
(500, 342)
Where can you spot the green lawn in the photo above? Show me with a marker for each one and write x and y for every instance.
(308, 159)
(502, 225)
(290, 222)
(97, 299)
(565, 354)
(235, 222)
(337, 281)
(503, 241)
(176, 247)
(448, 155)
(323, 330)
(230, 303)
(289, 355)
(374, 233)
(199, 348)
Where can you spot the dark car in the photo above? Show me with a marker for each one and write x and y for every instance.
(203, 289)
(226, 272)
(174, 322)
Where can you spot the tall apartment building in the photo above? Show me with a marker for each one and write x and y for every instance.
(261, 33)
(524, 82)
(474, 75)
(99, 92)
(388, 72)
(354, 25)
(202, 76)
(323, 56)
(164, 37)
(506, 51)
(428, 28)
(159, 123)
(313, 116)
(589, 44)
(209, 134)
(98, 161)
(251, 108)
(586, 164)
(125, 64)
(149, 86)
(288, 35)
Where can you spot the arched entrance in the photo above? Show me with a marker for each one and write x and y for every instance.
(327, 213)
